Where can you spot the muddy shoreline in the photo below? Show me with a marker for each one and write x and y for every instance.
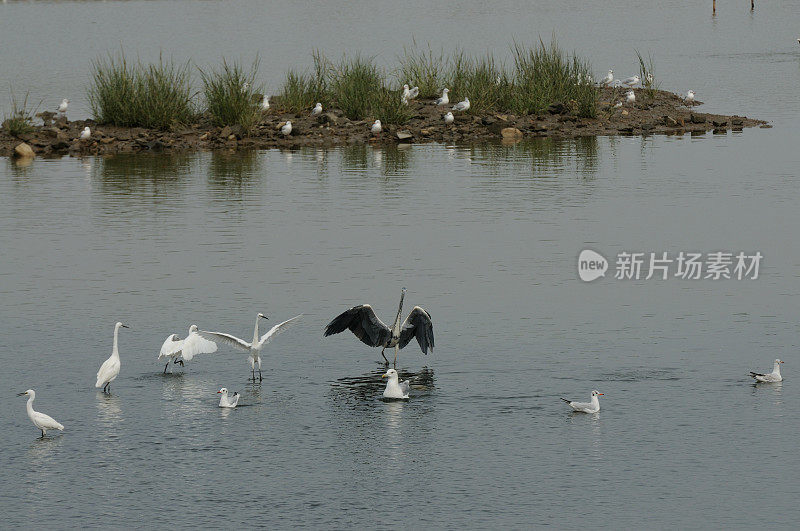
(665, 114)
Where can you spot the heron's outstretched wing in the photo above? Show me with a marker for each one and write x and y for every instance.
(277, 329)
(418, 324)
(362, 321)
(196, 344)
(171, 347)
(233, 341)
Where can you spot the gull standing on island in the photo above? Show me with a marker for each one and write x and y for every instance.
(86, 133)
(449, 118)
(174, 347)
(40, 420)
(772, 377)
(689, 97)
(265, 103)
(286, 129)
(630, 96)
(62, 108)
(608, 79)
(586, 407)
(445, 99)
(376, 127)
(254, 347)
(109, 370)
(394, 388)
(224, 401)
(631, 81)
(317, 109)
(462, 106)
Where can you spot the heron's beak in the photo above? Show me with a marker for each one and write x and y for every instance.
(125, 326)
(382, 376)
(22, 394)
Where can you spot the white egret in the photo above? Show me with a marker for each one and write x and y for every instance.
(462, 106)
(445, 99)
(109, 370)
(317, 109)
(86, 133)
(376, 127)
(62, 108)
(772, 377)
(362, 321)
(395, 389)
(449, 118)
(224, 401)
(592, 406)
(286, 129)
(254, 347)
(174, 347)
(40, 420)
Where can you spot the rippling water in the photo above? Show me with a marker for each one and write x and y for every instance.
(484, 237)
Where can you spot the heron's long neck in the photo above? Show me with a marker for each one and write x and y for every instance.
(396, 327)
(115, 350)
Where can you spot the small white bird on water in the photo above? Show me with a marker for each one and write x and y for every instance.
(689, 97)
(631, 81)
(772, 377)
(254, 347)
(317, 109)
(40, 420)
(449, 118)
(630, 97)
(62, 108)
(462, 106)
(224, 401)
(445, 99)
(265, 103)
(376, 127)
(586, 407)
(86, 133)
(109, 370)
(286, 129)
(395, 389)
(174, 347)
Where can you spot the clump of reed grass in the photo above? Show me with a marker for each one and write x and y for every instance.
(157, 96)
(355, 86)
(650, 85)
(423, 69)
(387, 106)
(231, 95)
(302, 91)
(483, 81)
(20, 121)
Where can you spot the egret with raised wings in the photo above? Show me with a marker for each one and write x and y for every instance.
(254, 347)
(362, 321)
(178, 350)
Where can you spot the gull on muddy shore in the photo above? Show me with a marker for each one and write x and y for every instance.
(376, 127)
(317, 109)
(286, 130)
(265, 103)
(449, 118)
(445, 99)
(62, 108)
(462, 106)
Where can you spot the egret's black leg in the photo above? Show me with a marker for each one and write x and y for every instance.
(260, 378)
(165, 368)
(42, 434)
(179, 361)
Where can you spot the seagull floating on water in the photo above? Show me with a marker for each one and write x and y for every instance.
(449, 118)
(62, 108)
(462, 106)
(286, 129)
(772, 377)
(376, 127)
(86, 133)
(689, 97)
(109, 370)
(445, 99)
(254, 347)
(395, 389)
(586, 407)
(362, 321)
(40, 420)
(174, 347)
(317, 109)
(224, 401)
(630, 96)
(265, 103)
(631, 81)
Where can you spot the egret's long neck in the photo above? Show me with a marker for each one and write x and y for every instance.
(776, 368)
(255, 332)
(396, 327)
(30, 404)
(115, 350)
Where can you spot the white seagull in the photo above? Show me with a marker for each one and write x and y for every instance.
(409, 94)
(618, 105)
(376, 127)
(445, 99)
(608, 79)
(449, 118)
(772, 377)
(631, 81)
(286, 129)
(254, 347)
(317, 109)
(650, 79)
(224, 401)
(630, 97)
(462, 105)
(109, 370)
(174, 347)
(586, 407)
(86, 133)
(394, 388)
(265, 103)
(62, 108)
(40, 420)
(689, 97)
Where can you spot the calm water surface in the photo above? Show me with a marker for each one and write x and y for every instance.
(484, 237)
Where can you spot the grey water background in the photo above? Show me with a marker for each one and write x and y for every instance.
(485, 237)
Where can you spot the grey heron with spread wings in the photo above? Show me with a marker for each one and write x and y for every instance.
(362, 321)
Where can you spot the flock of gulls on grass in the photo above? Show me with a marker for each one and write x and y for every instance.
(360, 320)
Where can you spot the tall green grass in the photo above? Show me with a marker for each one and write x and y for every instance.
(231, 95)
(647, 73)
(302, 91)
(20, 121)
(157, 96)
(423, 69)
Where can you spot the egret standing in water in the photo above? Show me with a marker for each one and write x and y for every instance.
(109, 370)
(174, 347)
(40, 420)
(253, 348)
(362, 321)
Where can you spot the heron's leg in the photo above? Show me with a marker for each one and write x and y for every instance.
(384, 355)
(42, 434)
(395, 356)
